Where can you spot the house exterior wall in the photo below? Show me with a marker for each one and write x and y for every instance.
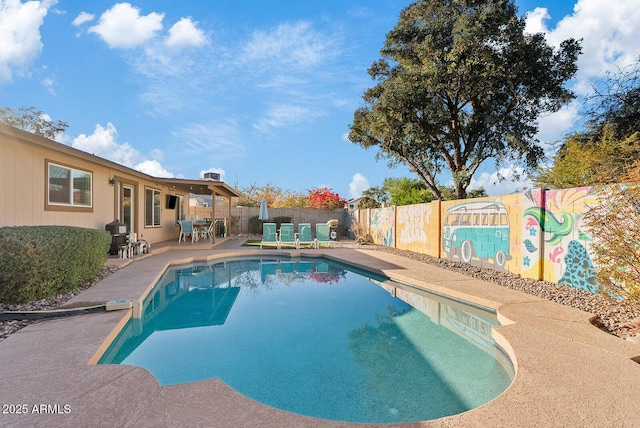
(23, 189)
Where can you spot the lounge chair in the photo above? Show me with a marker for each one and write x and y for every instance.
(304, 235)
(322, 235)
(287, 236)
(186, 228)
(266, 269)
(269, 235)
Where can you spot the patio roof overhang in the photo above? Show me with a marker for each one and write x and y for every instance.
(200, 187)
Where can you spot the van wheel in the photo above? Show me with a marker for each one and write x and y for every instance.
(466, 251)
(501, 257)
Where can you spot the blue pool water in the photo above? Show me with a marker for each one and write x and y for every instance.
(317, 338)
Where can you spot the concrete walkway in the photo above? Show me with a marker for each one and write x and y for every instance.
(568, 373)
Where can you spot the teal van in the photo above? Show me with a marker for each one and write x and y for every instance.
(479, 229)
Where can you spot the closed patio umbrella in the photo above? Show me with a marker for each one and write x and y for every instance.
(264, 215)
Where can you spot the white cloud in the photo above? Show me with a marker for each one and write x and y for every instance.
(282, 115)
(103, 143)
(153, 168)
(514, 180)
(297, 45)
(554, 127)
(184, 33)
(359, 183)
(82, 18)
(610, 39)
(20, 34)
(221, 139)
(535, 22)
(610, 42)
(49, 83)
(123, 27)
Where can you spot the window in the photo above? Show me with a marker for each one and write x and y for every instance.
(68, 187)
(152, 207)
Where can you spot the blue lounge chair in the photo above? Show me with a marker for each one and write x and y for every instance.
(304, 235)
(186, 228)
(287, 236)
(269, 235)
(267, 269)
(323, 235)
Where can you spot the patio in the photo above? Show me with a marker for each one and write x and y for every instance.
(568, 373)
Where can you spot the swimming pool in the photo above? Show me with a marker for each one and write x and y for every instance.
(318, 338)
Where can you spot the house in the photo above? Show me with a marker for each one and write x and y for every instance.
(43, 182)
(352, 204)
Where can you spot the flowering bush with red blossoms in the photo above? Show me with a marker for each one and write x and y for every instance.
(325, 199)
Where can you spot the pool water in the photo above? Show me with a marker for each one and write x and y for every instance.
(317, 338)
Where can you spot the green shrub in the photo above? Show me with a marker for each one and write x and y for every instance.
(38, 262)
(279, 220)
(255, 225)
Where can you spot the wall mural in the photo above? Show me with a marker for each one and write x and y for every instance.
(383, 226)
(554, 239)
(413, 226)
(477, 233)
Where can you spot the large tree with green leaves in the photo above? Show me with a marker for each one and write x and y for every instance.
(459, 83)
(33, 120)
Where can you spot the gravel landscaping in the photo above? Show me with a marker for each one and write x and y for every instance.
(620, 318)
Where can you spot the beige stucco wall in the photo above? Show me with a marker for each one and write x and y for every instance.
(23, 180)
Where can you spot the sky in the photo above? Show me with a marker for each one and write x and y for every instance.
(262, 92)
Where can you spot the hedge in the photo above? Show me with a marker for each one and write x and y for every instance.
(39, 262)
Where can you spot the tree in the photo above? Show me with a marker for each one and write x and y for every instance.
(275, 196)
(460, 83)
(374, 197)
(407, 191)
(615, 104)
(325, 199)
(367, 202)
(614, 225)
(597, 161)
(32, 120)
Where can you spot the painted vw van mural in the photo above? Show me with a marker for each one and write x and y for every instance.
(479, 229)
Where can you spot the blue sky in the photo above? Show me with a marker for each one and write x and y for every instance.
(260, 91)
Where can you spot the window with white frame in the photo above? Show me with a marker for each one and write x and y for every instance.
(152, 199)
(68, 187)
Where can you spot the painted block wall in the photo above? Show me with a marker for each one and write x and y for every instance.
(536, 234)
(417, 228)
(382, 225)
(556, 242)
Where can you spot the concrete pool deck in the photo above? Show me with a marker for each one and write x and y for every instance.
(568, 373)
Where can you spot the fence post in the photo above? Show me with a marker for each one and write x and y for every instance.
(541, 244)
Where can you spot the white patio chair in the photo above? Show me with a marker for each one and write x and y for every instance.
(208, 231)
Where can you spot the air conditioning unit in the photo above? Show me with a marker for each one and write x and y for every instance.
(214, 176)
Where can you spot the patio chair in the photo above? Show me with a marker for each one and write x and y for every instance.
(207, 231)
(186, 228)
(267, 268)
(323, 235)
(304, 235)
(269, 234)
(287, 236)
